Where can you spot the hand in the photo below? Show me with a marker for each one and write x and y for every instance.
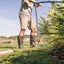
(30, 0)
(39, 5)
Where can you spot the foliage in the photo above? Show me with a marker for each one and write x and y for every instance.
(54, 24)
(52, 29)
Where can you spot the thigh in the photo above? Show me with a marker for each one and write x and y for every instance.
(31, 23)
(23, 22)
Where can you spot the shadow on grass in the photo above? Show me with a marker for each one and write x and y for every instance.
(8, 47)
(28, 57)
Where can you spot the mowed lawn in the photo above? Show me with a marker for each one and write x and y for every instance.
(38, 55)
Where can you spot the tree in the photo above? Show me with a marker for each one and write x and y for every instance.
(54, 24)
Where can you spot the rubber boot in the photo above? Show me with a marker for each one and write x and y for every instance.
(32, 41)
(20, 42)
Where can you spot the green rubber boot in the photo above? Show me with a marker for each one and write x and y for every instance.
(32, 41)
(20, 42)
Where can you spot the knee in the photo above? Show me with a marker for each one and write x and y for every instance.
(22, 30)
(33, 30)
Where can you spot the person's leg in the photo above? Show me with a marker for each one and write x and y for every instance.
(31, 26)
(23, 25)
(22, 32)
(33, 32)
(20, 38)
(32, 38)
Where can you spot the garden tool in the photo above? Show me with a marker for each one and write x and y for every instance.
(38, 40)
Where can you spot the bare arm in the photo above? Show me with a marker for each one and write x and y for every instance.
(36, 4)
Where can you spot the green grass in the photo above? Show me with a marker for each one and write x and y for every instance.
(4, 47)
(29, 55)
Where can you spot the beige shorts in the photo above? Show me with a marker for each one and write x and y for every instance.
(26, 21)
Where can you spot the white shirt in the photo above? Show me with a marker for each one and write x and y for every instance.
(26, 7)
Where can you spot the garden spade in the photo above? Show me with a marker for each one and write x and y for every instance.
(38, 40)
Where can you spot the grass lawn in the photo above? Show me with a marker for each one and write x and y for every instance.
(38, 55)
(5, 46)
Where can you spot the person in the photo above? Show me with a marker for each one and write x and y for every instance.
(27, 21)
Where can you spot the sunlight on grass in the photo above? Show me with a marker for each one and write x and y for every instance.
(4, 47)
(38, 55)
(28, 56)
